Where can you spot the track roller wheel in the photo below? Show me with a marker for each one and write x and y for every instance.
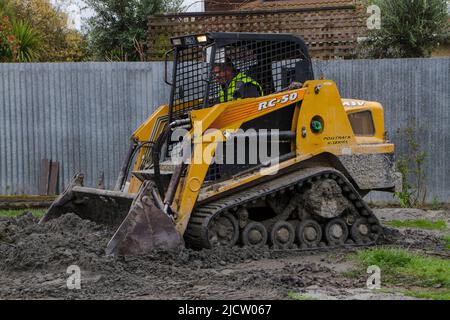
(360, 231)
(254, 235)
(282, 235)
(309, 233)
(336, 231)
(223, 230)
(377, 231)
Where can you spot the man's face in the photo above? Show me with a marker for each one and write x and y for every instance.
(223, 74)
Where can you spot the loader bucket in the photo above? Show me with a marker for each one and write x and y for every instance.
(101, 206)
(141, 226)
(145, 228)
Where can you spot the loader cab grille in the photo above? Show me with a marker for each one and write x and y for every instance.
(190, 79)
(274, 61)
(274, 65)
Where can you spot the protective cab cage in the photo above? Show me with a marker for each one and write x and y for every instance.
(273, 60)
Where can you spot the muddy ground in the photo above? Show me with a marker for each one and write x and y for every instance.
(34, 261)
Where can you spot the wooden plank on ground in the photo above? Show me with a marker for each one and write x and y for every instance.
(44, 176)
(53, 181)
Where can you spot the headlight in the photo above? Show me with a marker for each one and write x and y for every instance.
(202, 39)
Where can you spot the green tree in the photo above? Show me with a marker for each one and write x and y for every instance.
(7, 8)
(27, 40)
(118, 30)
(42, 33)
(409, 28)
(18, 40)
(8, 42)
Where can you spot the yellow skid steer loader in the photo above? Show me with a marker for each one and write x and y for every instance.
(214, 167)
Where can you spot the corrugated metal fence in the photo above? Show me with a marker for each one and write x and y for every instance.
(414, 93)
(82, 114)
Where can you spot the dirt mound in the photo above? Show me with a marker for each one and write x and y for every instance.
(34, 260)
(412, 238)
(24, 244)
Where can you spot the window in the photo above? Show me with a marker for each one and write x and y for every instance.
(362, 123)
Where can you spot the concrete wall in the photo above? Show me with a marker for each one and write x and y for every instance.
(82, 114)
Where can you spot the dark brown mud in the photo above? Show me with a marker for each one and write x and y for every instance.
(34, 260)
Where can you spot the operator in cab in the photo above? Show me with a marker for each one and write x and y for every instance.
(235, 85)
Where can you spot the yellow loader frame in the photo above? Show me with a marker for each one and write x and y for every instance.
(315, 98)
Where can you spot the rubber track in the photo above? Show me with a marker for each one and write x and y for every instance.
(197, 231)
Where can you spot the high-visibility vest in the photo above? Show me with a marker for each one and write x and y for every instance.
(240, 77)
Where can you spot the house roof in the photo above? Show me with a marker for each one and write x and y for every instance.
(292, 4)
